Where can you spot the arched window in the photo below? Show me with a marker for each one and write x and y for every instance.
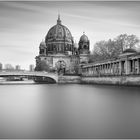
(49, 47)
(54, 48)
(59, 47)
(85, 46)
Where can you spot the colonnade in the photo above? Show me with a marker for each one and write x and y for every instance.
(127, 66)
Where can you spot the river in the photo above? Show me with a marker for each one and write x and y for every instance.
(69, 111)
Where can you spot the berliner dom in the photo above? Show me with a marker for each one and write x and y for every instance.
(58, 52)
(59, 39)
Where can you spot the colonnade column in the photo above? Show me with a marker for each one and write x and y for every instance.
(133, 66)
(113, 68)
(138, 70)
(127, 66)
(120, 67)
(110, 68)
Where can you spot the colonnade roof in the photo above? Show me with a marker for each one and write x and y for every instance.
(115, 60)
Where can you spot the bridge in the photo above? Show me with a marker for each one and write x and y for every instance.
(35, 74)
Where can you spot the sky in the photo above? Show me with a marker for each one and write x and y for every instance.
(24, 24)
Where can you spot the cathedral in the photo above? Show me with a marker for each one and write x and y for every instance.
(58, 53)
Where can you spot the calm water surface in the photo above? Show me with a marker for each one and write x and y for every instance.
(69, 111)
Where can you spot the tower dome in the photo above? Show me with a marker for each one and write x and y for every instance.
(83, 44)
(42, 48)
(84, 38)
(59, 37)
(42, 44)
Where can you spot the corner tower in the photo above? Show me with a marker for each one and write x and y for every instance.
(84, 48)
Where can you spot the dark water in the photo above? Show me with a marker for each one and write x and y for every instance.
(69, 111)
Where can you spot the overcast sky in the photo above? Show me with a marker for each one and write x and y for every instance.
(23, 25)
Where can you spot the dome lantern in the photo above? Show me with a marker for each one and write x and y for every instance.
(58, 20)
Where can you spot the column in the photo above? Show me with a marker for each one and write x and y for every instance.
(94, 70)
(105, 68)
(110, 68)
(120, 67)
(90, 71)
(138, 71)
(113, 68)
(127, 67)
(133, 66)
(101, 69)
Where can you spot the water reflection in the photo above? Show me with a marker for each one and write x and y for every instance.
(69, 111)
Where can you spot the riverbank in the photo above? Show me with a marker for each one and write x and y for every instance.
(129, 80)
(133, 80)
(4, 82)
(69, 79)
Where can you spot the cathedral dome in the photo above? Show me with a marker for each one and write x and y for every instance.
(84, 38)
(59, 33)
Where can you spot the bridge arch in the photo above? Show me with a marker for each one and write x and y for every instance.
(38, 76)
(42, 79)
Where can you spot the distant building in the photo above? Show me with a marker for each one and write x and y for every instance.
(1, 66)
(31, 67)
(17, 67)
(9, 67)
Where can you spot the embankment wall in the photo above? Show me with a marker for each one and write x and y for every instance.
(69, 79)
(112, 80)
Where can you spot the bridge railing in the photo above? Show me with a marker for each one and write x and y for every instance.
(34, 73)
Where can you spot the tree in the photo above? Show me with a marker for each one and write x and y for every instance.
(112, 48)
(42, 66)
(103, 50)
(100, 50)
(126, 41)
